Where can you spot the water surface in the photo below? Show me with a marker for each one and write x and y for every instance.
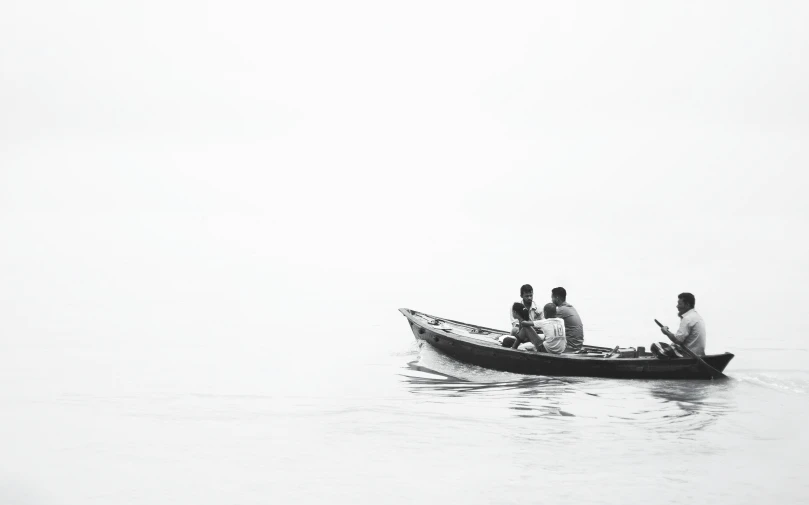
(395, 423)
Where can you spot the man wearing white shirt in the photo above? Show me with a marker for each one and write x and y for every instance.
(691, 334)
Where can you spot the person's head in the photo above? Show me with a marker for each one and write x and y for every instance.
(550, 310)
(527, 294)
(558, 295)
(685, 302)
(521, 311)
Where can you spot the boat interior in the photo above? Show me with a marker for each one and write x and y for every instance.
(494, 337)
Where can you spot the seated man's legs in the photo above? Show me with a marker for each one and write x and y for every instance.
(518, 335)
(527, 334)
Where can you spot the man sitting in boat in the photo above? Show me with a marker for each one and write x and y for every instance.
(523, 315)
(691, 333)
(574, 329)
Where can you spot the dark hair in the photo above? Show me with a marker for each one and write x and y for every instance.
(549, 310)
(526, 288)
(560, 292)
(520, 310)
(688, 298)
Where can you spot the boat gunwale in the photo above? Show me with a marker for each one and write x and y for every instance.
(495, 345)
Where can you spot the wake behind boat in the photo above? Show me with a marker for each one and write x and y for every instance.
(480, 346)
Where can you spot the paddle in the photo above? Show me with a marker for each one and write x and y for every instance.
(715, 374)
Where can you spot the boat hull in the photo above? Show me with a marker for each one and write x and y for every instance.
(452, 338)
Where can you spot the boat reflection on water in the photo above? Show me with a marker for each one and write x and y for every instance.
(688, 394)
(693, 405)
(527, 396)
(660, 406)
(543, 398)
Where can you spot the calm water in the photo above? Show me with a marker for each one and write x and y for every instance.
(386, 423)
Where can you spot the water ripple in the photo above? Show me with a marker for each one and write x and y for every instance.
(657, 406)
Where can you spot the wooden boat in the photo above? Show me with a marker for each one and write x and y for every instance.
(478, 345)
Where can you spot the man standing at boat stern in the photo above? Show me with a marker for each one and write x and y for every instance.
(574, 329)
(691, 333)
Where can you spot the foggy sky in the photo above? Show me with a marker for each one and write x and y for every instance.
(221, 168)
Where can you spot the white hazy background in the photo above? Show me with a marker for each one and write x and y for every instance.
(230, 180)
